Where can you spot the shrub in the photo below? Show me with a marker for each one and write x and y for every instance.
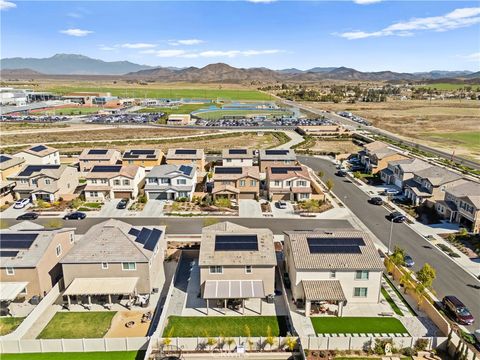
(223, 202)
(421, 345)
(409, 352)
(142, 199)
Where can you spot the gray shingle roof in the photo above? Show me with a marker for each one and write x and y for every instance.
(467, 189)
(437, 175)
(265, 156)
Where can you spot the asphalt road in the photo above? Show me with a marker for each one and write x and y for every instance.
(451, 279)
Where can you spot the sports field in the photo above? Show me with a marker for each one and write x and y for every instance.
(217, 114)
(182, 109)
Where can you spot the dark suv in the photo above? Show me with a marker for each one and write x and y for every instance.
(457, 310)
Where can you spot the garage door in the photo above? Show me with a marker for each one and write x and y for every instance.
(157, 195)
(122, 194)
(276, 197)
(250, 196)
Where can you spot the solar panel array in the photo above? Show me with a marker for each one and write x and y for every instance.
(276, 152)
(4, 158)
(30, 169)
(187, 170)
(106, 168)
(151, 156)
(142, 152)
(228, 170)
(185, 151)
(38, 148)
(8, 253)
(148, 238)
(236, 243)
(135, 154)
(285, 170)
(237, 151)
(17, 241)
(97, 152)
(335, 245)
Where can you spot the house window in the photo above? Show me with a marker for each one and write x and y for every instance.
(126, 182)
(333, 274)
(10, 271)
(276, 183)
(129, 266)
(47, 181)
(35, 182)
(225, 182)
(183, 194)
(303, 196)
(58, 250)
(103, 181)
(360, 292)
(242, 182)
(116, 182)
(94, 193)
(104, 265)
(165, 181)
(182, 181)
(361, 275)
(253, 182)
(130, 161)
(288, 183)
(152, 180)
(94, 181)
(24, 181)
(216, 269)
(301, 183)
(229, 160)
(248, 269)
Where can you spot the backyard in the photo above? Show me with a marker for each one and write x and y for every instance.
(101, 355)
(8, 324)
(357, 325)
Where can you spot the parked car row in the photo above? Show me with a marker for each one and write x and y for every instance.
(355, 118)
(301, 122)
(124, 118)
(31, 118)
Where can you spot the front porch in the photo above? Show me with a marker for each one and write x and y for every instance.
(44, 196)
(225, 191)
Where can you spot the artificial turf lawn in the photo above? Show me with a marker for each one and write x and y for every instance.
(8, 324)
(357, 325)
(101, 355)
(78, 325)
(193, 326)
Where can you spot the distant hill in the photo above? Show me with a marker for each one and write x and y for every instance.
(19, 72)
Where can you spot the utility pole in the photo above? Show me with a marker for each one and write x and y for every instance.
(390, 238)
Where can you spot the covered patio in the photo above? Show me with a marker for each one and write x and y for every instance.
(323, 297)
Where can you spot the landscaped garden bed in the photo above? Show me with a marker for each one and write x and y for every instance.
(200, 206)
(312, 206)
(469, 244)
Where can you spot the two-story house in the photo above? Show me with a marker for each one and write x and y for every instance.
(288, 183)
(237, 157)
(330, 269)
(189, 157)
(91, 157)
(236, 264)
(115, 259)
(145, 158)
(9, 165)
(106, 182)
(45, 182)
(399, 171)
(276, 157)
(171, 182)
(376, 156)
(236, 183)
(40, 155)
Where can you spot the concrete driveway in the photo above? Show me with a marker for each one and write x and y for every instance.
(109, 209)
(249, 208)
(282, 213)
(12, 213)
(153, 208)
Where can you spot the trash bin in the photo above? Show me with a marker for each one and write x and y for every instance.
(270, 298)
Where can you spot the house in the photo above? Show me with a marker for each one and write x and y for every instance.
(171, 182)
(145, 158)
(237, 157)
(9, 165)
(236, 264)
(40, 155)
(330, 269)
(241, 182)
(376, 156)
(115, 259)
(268, 158)
(399, 171)
(90, 157)
(461, 205)
(429, 185)
(106, 182)
(288, 183)
(29, 259)
(45, 182)
(179, 119)
(189, 157)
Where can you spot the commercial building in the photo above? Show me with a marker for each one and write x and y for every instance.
(179, 119)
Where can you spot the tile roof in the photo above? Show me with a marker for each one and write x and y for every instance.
(172, 171)
(172, 155)
(271, 155)
(51, 171)
(246, 171)
(323, 290)
(9, 161)
(92, 154)
(290, 172)
(237, 154)
(142, 154)
(437, 175)
(410, 165)
(47, 151)
(129, 171)
(380, 149)
(469, 190)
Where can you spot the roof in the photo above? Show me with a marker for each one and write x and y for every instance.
(170, 171)
(10, 290)
(112, 241)
(8, 161)
(98, 154)
(469, 190)
(39, 150)
(410, 165)
(287, 172)
(265, 255)
(277, 154)
(417, 189)
(233, 289)
(185, 154)
(220, 188)
(102, 286)
(142, 154)
(51, 171)
(380, 149)
(237, 154)
(323, 290)
(437, 175)
(110, 171)
(235, 172)
(366, 259)
(26, 225)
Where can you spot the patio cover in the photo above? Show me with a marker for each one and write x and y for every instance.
(102, 286)
(10, 290)
(318, 290)
(233, 289)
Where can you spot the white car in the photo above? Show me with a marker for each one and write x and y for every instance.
(20, 204)
(390, 192)
(281, 204)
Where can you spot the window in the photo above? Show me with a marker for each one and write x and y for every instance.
(229, 160)
(94, 193)
(126, 182)
(183, 194)
(248, 269)
(152, 180)
(10, 271)
(24, 181)
(288, 183)
(35, 182)
(360, 292)
(333, 274)
(182, 181)
(361, 275)
(216, 269)
(94, 181)
(47, 181)
(276, 183)
(129, 266)
(105, 265)
(72, 238)
(225, 182)
(253, 182)
(303, 196)
(130, 161)
(103, 181)
(116, 182)
(165, 181)
(302, 183)
(242, 182)
(58, 250)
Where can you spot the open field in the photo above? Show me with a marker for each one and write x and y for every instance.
(193, 326)
(335, 146)
(101, 355)
(13, 126)
(68, 111)
(358, 325)
(447, 86)
(470, 139)
(9, 324)
(217, 114)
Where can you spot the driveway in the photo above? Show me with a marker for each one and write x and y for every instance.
(249, 208)
(282, 213)
(12, 213)
(153, 208)
(109, 209)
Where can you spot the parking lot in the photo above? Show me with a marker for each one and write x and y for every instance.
(256, 122)
(124, 118)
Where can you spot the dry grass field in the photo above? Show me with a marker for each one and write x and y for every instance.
(342, 147)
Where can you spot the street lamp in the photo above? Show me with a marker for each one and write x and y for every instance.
(390, 238)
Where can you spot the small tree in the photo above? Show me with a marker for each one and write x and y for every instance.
(389, 265)
(426, 275)
(406, 281)
(357, 174)
(398, 256)
(248, 335)
(420, 293)
(329, 184)
(320, 174)
(290, 342)
(167, 340)
(229, 341)
(211, 341)
(269, 340)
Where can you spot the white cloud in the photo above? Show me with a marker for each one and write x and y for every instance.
(76, 32)
(138, 46)
(209, 53)
(75, 15)
(5, 5)
(366, 2)
(261, 1)
(185, 42)
(472, 57)
(453, 20)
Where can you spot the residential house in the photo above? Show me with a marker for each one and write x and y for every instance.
(288, 183)
(40, 155)
(91, 157)
(376, 156)
(236, 264)
(29, 259)
(274, 157)
(330, 269)
(241, 182)
(399, 171)
(189, 157)
(114, 259)
(237, 157)
(145, 158)
(9, 165)
(322, 130)
(45, 182)
(171, 182)
(106, 182)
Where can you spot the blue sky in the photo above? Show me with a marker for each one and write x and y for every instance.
(368, 35)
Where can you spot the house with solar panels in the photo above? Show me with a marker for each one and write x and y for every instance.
(114, 261)
(276, 157)
(171, 182)
(330, 270)
(147, 158)
(189, 157)
(236, 182)
(91, 157)
(105, 182)
(291, 183)
(29, 261)
(46, 182)
(237, 157)
(237, 267)
(9, 165)
(40, 155)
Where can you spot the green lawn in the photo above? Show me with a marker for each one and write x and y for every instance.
(182, 109)
(351, 325)
(69, 111)
(193, 326)
(446, 86)
(469, 139)
(217, 114)
(77, 325)
(392, 304)
(113, 355)
(8, 324)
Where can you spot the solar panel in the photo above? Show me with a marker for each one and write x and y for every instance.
(332, 246)
(187, 170)
(4, 158)
(185, 151)
(8, 253)
(153, 239)
(345, 241)
(142, 152)
(97, 152)
(30, 169)
(276, 152)
(38, 148)
(106, 168)
(128, 155)
(228, 170)
(237, 151)
(285, 170)
(17, 241)
(143, 236)
(134, 232)
(151, 156)
(236, 243)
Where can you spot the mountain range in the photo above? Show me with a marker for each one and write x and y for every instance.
(74, 64)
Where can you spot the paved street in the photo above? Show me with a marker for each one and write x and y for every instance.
(451, 279)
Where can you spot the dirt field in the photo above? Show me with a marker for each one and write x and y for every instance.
(118, 328)
(342, 147)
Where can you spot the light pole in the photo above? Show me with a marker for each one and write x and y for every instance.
(390, 238)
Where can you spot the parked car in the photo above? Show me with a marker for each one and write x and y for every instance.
(408, 261)
(396, 217)
(390, 192)
(457, 310)
(376, 200)
(77, 215)
(122, 204)
(20, 204)
(281, 204)
(341, 173)
(28, 216)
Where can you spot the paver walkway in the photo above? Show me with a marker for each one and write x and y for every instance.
(396, 299)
